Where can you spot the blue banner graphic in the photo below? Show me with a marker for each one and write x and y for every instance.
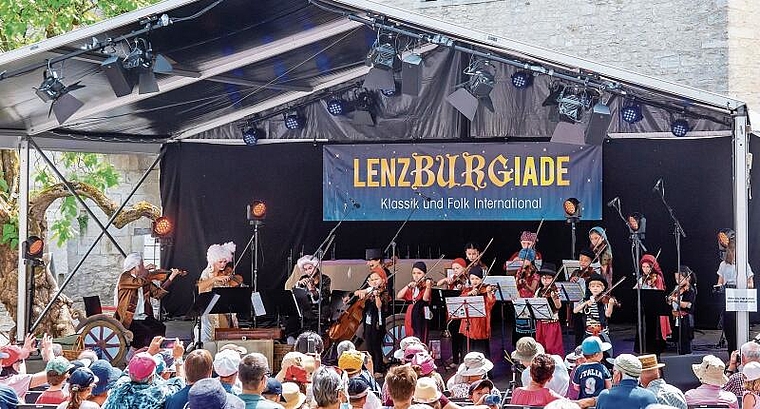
(460, 181)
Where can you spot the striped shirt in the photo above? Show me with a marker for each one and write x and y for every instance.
(667, 394)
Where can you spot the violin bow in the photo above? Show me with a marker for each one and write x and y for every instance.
(477, 260)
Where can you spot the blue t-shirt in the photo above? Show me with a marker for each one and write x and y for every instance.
(591, 377)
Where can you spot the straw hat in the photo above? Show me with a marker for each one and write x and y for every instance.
(526, 349)
(710, 371)
(474, 363)
(649, 362)
(426, 391)
(292, 395)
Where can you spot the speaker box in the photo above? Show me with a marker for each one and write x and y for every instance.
(598, 124)
(677, 371)
(120, 80)
(262, 346)
(411, 75)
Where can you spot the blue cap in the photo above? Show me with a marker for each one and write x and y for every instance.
(209, 393)
(593, 345)
(8, 397)
(274, 387)
(107, 376)
(81, 378)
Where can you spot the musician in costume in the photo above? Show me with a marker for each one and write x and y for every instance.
(375, 259)
(376, 308)
(727, 278)
(585, 260)
(478, 330)
(549, 332)
(528, 240)
(682, 300)
(656, 329)
(472, 251)
(317, 286)
(419, 291)
(527, 282)
(459, 280)
(218, 273)
(133, 293)
(596, 313)
(602, 251)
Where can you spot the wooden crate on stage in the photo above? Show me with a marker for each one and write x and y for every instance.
(279, 352)
(226, 334)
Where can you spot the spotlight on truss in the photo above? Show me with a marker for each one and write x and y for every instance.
(252, 134)
(52, 89)
(680, 127)
(337, 106)
(384, 60)
(294, 120)
(364, 106)
(476, 90)
(522, 79)
(573, 103)
(631, 112)
(140, 65)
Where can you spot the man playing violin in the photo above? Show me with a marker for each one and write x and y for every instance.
(133, 293)
(418, 292)
(317, 286)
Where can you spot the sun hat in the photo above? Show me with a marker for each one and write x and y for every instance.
(403, 344)
(649, 362)
(226, 362)
(292, 396)
(234, 347)
(526, 348)
(351, 362)
(628, 364)
(209, 393)
(592, 345)
(710, 371)
(751, 371)
(474, 363)
(426, 391)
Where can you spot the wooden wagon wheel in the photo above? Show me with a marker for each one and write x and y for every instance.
(105, 333)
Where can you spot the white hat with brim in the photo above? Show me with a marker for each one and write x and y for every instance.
(292, 395)
(426, 391)
(474, 364)
(710, 371)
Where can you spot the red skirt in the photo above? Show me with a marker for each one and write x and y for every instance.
(549, 334)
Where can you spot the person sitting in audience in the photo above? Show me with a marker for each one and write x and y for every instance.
(253, 373)
(107, 376)
(13, 371)
(536, 393)
(651, 380)
(591, 377)
(226, 366)
(357, 393)
(293, 358)
(141, 389)
(525, 349)
(292, 396)
(210, 394)
(710, 374)
(57, 370)
(426, 392)
(330, 387)
(424, 365)
(749, 352)
(401, 382)
(8, 397)
(625, 392)
(572, 361)
(273, 390)
(751, 398)
(474, 367)
(352, 362)
(198, 365)
(479, 390)
(80, 382)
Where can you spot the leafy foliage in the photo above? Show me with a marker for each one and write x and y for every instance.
(90, 168)
(29, 21)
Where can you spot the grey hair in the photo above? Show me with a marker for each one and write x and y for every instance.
(562, 404)
(750, 351)
(344, 346)
(326, 383)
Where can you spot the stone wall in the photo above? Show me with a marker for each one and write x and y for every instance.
(707, 44)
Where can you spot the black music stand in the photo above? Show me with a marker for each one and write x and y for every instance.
(654, 305)
(203, 305)
(235, 300)
(464, 308)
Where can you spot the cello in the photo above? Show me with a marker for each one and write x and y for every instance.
(348, 322)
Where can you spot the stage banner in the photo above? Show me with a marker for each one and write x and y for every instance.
(460, 181)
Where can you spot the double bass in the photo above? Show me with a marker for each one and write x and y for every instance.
(348, 323)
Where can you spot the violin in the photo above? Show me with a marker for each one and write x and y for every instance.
(606, 296)
(236, 280)
(160, 274)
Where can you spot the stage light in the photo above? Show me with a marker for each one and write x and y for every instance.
(364, 108)
(572, 104)
(293, 120)
(33, 247)
(631, 113)
(522, 79)
(257, 211)
(337, 106)
(476, 90)
(162, 227)
(572, 208)
(724, 238)
(146, 63)
(638, 223)
(252, 134)
(680, 127)
(384, 60)
(63, 104)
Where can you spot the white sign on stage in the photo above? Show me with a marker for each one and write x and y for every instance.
(741, 300)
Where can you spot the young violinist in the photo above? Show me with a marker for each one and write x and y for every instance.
(602, 251)
(682, 300)
(594, 309)
(472, 252)
(317, 286)
(585, 259)
(527, 283)
(216, 274)
(458, 281)
(418, 292)
(549, 332)
(376, 309)
(478, 330)
(528, 240)
(656, 329)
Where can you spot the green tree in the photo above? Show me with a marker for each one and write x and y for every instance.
(29, 21)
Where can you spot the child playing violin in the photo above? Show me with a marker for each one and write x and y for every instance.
(527, 283)
(682, 300)
(376, 309)
(419, 292)
(595, 312)
(478, 330)
(458, 281)
(549, 332)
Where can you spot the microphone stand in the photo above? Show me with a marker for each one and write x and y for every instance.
(320, 252)
(392, 245)
(636, 247)
(678, 232)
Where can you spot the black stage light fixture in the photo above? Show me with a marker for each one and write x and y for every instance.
(572, 207)
(680, 127)
(476, 90)
(121, 80)
(384, 60)
(257, 211)
(337, 106)
(143, 60)
(162, 227)
(33, 247)
(294, 120)
(252, 134)
(52, 89)
(573, 103)
(411, 75)
(364, 106)
(522, 79)
(631, 112)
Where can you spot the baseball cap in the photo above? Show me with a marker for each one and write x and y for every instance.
(593, 345)
(141, 366)
(274, 387)
(59, 365)
(81, 378)
(107, 376)
(209, 393)
(226, 362)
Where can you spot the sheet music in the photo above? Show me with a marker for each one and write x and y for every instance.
(463, 307)
(508, 287)
(258, 304)
(538, 306)
(569, 266)
(571, 292)
(211, 304)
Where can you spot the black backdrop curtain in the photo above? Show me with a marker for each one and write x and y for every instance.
(205, 189)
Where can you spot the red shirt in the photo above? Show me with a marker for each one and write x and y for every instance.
(52, 397)
(478, 328)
